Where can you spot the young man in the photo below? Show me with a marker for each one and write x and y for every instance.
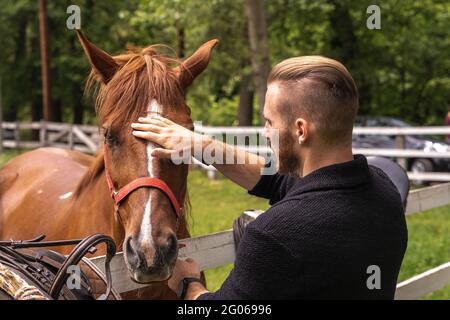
(336, 228)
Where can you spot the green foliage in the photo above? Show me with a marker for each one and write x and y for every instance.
(406, 70)
(401, 70)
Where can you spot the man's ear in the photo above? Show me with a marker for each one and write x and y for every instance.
(301, 130)
(102, 63)
(195, 64)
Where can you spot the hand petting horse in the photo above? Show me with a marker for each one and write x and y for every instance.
(67, 195)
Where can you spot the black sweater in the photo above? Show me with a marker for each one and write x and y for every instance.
(320, 236)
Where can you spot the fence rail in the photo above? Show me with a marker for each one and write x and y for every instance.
(86, 139)
(400, 153)
(50, 134)
(426, 282)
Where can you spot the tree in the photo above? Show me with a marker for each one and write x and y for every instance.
(257, 31)
(49, 113)
(400, 70)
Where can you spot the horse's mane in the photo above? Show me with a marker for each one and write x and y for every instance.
(143, 75)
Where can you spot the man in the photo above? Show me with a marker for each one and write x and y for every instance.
(336, 228)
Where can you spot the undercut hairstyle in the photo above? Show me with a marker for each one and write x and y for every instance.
(322, 91)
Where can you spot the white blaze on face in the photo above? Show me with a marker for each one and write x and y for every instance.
(145, 234)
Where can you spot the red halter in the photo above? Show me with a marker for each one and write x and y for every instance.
(144, 182)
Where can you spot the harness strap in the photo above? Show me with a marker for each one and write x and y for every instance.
(143, 182)
(148, 182)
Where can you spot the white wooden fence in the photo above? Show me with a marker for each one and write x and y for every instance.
(18, 135)
(399, 153)
(86, 139)
(217, 249)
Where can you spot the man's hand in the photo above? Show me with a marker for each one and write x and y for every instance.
(172, 137)
(178, 142)
(184, 269)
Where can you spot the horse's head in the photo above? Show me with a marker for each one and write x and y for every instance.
(132, 85)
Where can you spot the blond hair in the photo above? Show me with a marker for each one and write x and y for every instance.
(320, 89)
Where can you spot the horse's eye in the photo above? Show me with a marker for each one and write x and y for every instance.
(110, 138)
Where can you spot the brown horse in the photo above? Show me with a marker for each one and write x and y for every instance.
(64, 194)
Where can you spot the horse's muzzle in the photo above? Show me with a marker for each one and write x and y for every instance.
(149, 263)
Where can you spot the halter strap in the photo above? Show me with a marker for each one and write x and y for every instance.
(143, 182)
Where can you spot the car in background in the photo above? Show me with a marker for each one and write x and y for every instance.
(414, 142)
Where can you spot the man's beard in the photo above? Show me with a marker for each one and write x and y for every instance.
(289, 161)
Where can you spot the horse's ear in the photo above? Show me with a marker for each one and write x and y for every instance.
(102, 63)
(195, 64)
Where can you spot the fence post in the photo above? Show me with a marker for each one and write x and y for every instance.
(71, 142)
(400, 143)
(43, 133)
(17, 134)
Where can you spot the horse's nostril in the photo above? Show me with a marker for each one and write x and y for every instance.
(128, 245)
(172, 244)
(132, 255)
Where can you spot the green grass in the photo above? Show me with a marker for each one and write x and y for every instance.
(8, 155)
(428, 245)
(216, 203)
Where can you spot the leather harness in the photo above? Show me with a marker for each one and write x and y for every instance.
(48, 271)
